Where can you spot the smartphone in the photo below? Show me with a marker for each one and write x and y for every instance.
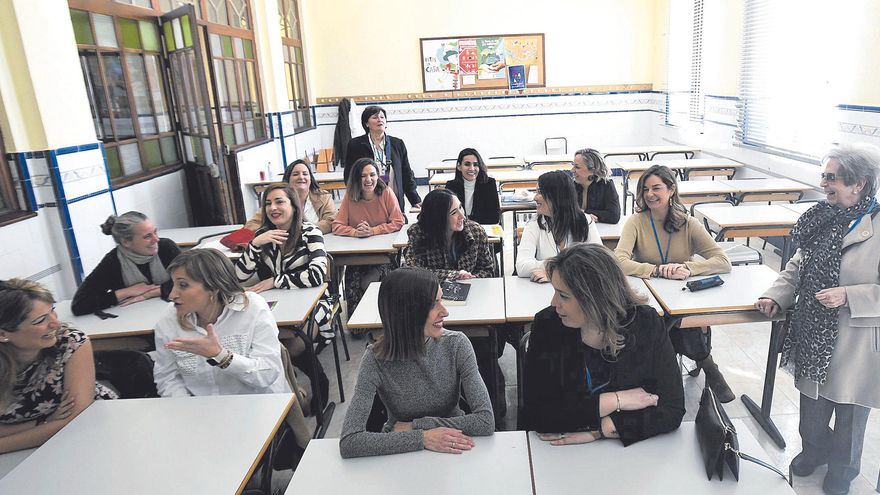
(704, 283)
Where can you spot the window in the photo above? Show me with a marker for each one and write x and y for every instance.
(294, 65)
(684, 98)
(13, 202)
(121, 61)
(241, 114)
(789, 74)
(232, 13)
(169, 5)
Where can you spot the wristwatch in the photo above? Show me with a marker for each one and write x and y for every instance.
(216, 360)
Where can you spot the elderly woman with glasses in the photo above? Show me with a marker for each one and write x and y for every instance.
(597, 194)
(832, 283)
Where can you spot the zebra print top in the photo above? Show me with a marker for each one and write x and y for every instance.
(305, 267)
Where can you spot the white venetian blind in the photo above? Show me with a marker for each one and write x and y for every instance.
(787, 98)
(684, 100)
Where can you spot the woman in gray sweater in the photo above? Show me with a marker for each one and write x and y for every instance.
(420, 371)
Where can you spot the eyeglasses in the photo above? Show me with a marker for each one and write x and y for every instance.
(829, 176)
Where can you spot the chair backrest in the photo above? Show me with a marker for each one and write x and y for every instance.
(552, 166)
(324, 160)
(513, 186)
(761, 197)
(556, 146)
(727, 173)
(129, 372)
(522, 351)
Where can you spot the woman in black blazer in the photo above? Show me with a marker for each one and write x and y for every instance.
(388, 151)
(471, 179)
(599, 363)
(596, 192)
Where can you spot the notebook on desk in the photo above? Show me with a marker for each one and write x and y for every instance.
(454, 293)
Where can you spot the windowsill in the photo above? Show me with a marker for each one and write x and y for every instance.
(15, 217)
(121, 182)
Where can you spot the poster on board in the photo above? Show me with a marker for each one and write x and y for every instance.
(482, 62)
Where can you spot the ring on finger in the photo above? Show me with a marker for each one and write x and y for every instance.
(561, 436)
(453, 445)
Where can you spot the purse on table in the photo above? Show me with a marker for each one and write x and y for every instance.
(718, 441)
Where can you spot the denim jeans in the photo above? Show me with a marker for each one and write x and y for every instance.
(843, 444)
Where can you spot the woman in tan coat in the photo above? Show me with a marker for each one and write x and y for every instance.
(833, 344)
(317, 205)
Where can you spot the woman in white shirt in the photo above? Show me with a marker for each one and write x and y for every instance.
(559, 223)
(215, 339)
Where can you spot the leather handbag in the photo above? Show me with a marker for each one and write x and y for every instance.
(718, 441)
(238, 240)
(691, 342)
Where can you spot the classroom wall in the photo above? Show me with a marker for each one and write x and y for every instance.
(356, 47)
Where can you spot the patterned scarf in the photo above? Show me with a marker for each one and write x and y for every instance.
(812, 332)
(131, 274)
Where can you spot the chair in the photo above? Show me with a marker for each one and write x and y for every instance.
(739, 254)
(727, 173)
(324, 160)
(521, 352)
(513, 186)
(552, 166)
(556, 146)
(336, 323)
(770, 197)
(130, 373)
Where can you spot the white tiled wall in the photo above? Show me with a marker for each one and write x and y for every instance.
(163, 199)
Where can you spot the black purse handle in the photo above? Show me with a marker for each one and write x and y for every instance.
(747, 457)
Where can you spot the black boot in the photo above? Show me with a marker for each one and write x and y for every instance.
(715, 380)
(322, 383)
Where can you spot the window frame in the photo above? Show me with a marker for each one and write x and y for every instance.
(291, 68)
(17, 211)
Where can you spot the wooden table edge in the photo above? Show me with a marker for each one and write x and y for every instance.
(268, 441)
(308, 313)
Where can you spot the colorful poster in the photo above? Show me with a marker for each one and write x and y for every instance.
(441, 64)
(521, 50)
(491, 58)
(516, 77)
(467, 56)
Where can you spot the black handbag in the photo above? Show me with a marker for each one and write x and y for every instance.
(718, 442)
(691, 342)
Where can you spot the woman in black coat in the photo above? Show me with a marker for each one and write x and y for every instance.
(388, 151)
(477, 192)
(599, 363)
(597, 194)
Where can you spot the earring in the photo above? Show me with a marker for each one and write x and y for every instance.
(4, 340)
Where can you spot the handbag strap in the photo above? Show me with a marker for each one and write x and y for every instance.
(747, 457)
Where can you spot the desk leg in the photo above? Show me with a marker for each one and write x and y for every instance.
(625, 189)
(762, 413)
(322, 416)
(493, 341)
(786, 251)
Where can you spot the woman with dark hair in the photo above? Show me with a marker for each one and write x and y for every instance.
(316, 204)
(419, 370)
(660, 240)
(133, 271)
(47, 372)
(832, 346)
(599, 364)
(476, 191)
(596, 192)
(559, 223)
(446, 242)
(367, 209)
(216, 339)
(388, 153)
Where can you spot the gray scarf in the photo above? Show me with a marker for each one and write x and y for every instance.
(132, 275)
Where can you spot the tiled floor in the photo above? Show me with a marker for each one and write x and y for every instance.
(740, 351)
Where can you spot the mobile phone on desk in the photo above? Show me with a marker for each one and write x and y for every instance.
(703, 283)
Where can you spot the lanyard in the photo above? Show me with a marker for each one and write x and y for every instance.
(870, 209)
(663, 257)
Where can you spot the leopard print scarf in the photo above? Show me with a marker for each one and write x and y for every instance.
(813, 328)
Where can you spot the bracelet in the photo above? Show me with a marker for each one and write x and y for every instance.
(226, 361)
(618, 402)
(601, 433)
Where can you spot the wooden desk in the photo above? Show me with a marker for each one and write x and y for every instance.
(439, 167)
(648, 152)
(376, 244)
(799, 208)
(524, 298)
(707, 188)
(668, 463)
(611, 231)
(746, 187)
(188, 237)
(497, 464)
(752, 220)
(500, 176)
(294, 306)
(181, 445)
(133, 320)
(494, 232)
(484, 306)
(733, 302)
(330, 180)
(532, 160)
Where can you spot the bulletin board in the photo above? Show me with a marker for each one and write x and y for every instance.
(481, 62)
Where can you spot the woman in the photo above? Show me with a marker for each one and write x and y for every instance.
(419, 370)
(475, 189)
(596, 193)
(833, 343)
(388, 153)
(216, 339)
(660, 240)
(367, 209)
(47, 372)
(559, 222)
(316, 204)
(447, 243)
(133, 271)
(599, 363)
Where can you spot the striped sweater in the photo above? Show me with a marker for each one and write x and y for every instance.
(305, 267)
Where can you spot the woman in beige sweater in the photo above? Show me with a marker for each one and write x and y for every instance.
(661, 241)
(316, 204)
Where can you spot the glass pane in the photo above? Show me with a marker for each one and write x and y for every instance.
(222, 90)
(105, 32)
(214, 40)
(237, 49)
(149, 36)
(131, 159)
(232, 84)
(258, 127)
(157, 93)
(247, 100)
(169, 150)
(165, 5)
(287, 75)
(298, 55)
(187, 31)
(238, 14)
(249, 130)
(217, 11)
(140, 92)
(113, 162)
(227, 46)
(248, 49)
(169, 37)
(239, 133)
(292, 20)
(82, 29)
(118, 96)
(130, 37)
(97, 97)
(228, 135)
(152, 154)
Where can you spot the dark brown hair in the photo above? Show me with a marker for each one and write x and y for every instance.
(677, 215)
(406, 296)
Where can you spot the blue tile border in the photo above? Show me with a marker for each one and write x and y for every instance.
(91, 195)
(109, 180)
(498, 97)
(514, 115)
(859, 108)
(76, 149)
(66, 221)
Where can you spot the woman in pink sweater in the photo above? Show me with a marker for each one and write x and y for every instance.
(366, 210)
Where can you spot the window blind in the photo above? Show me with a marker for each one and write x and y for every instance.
(684, 99)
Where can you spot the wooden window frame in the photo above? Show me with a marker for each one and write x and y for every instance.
(290, 68)
(17, 211)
